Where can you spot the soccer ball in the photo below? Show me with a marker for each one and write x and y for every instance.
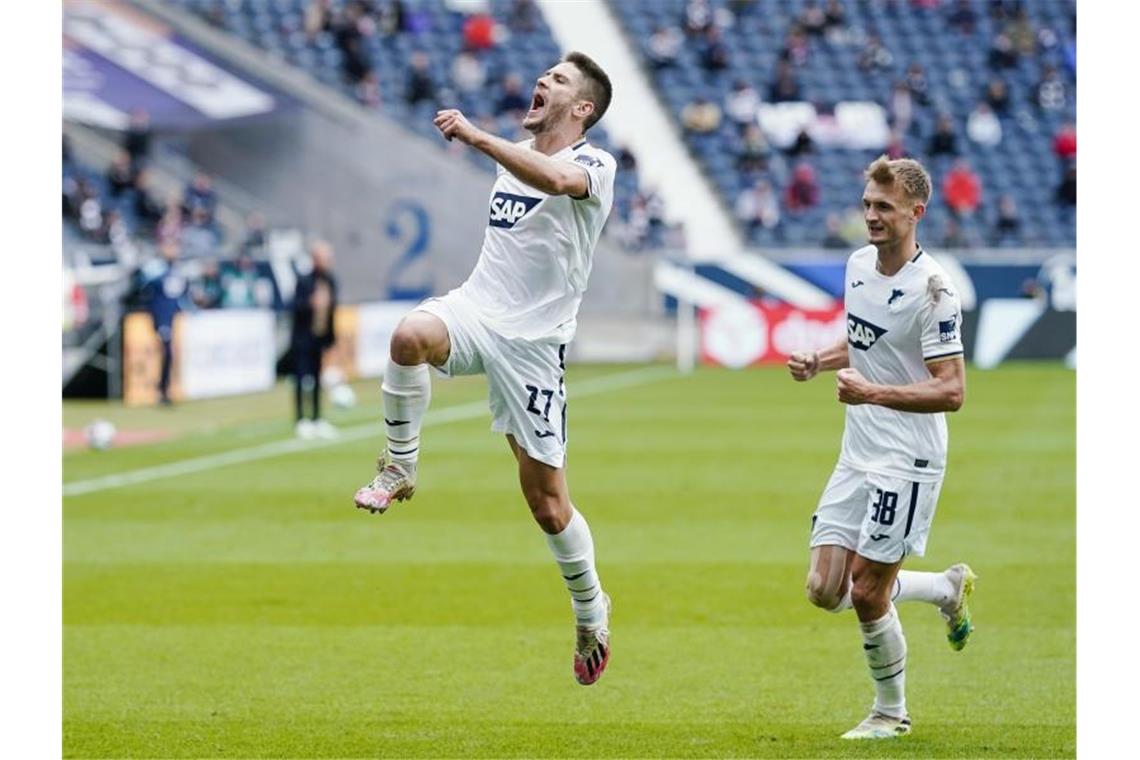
(100, 434)
(342, 396)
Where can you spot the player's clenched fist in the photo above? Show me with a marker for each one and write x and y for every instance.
(452, 123)
(804, 365)
(852, 387)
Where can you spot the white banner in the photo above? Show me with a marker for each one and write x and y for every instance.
(375, 324)
(227, 352)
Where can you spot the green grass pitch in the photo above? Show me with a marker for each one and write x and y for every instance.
(247, 610)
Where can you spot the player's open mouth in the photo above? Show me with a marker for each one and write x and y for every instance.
(536, 103)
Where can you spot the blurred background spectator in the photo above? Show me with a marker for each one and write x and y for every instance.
(701, 116)
(758, 207)
(833, 237)
(120, 177)
(468, 74)
(421, 85)
(137, 138)
(1065, 142)
(200, 194)
(165, 292)
(1051, 94)
(983, 126)
(784, 87)
(713, 53)
(962, 190)
(241, 284)
(997, 96)
(875, 56)
(742, 104)
(513, 102)
(803, 192)
(1067, 190)
(963, 18)
(663, 46)
(314, 304)
(1007, 226)
(918, 83)
(901, 108)
(944, 141)
(206, 289)
(812, 19)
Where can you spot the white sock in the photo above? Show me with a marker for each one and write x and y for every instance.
(406, 392)
(573, 550)
(933, 588)
(885, 648)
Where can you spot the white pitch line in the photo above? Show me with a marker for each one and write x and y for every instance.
(347, 435)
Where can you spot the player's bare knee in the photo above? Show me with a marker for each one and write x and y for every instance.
(821, 594)
(407, 346)
(820, 598)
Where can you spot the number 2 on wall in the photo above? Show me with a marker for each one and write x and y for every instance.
(415, 245)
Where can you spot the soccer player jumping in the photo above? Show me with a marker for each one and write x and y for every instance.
(900, 369)
(512, 320)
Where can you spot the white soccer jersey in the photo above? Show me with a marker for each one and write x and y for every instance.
(538, 250)
(894, 326)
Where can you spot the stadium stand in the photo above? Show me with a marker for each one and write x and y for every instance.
(920, 61)
(408, 59)
(119, 208)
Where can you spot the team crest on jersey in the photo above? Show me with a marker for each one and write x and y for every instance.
(948, 329)
(862, 334)
(507, 209)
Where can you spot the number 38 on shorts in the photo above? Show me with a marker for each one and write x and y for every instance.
(880, 517)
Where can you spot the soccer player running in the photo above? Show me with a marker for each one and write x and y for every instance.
(900, 369)
(512, 320)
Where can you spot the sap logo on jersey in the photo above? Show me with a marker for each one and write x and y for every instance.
(861, 333)
(507, 209)
(948, 330)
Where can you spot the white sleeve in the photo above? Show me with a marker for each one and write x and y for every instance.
(941, 321)
(600, 171)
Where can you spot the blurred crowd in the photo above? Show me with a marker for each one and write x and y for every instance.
(485, 84)
(778, 183)
(121, 211)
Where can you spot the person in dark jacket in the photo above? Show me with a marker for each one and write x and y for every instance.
(164, 294)
(314, 304)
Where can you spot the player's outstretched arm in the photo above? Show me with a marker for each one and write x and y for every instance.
(945, 391)
(540, 171)
(804, 365)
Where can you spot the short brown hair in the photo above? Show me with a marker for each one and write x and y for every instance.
(910, 174)
(596, 89)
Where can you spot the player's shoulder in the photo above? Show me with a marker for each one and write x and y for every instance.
(925, 266)
(930, 274)
(863, 257)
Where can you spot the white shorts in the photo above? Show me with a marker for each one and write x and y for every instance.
(525, 378)
(880, 517)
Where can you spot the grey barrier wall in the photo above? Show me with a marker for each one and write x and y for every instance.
(406, 219)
